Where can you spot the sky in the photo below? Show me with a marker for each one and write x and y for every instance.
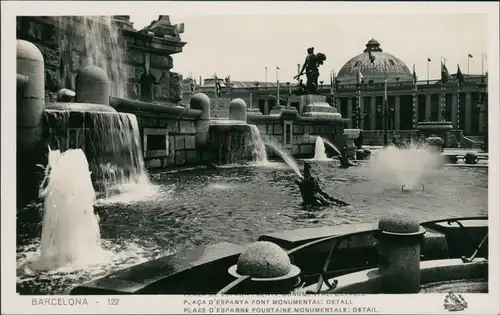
(241, 46)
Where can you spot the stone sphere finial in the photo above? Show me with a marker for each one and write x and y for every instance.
(399, 223)
(264, 260)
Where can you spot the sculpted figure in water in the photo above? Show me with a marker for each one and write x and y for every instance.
(312, 194)
(345, 162)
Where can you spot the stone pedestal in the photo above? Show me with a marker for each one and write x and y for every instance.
(316, 106)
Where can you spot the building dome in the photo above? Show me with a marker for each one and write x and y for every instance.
(376, 68)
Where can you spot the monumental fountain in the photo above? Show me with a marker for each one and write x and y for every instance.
(91, 65)
(116, 138)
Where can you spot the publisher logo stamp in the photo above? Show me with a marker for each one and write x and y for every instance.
(454, 302)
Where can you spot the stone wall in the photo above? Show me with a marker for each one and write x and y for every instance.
(63, 43)
(304, 131)
(181, 140)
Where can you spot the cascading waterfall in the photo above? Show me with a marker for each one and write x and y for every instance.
(259, 149)
(111, 142)
(99, 42)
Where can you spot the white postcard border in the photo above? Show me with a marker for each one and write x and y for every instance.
(388, 304)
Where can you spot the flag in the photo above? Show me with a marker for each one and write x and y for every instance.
(277, 68)
(359, 77)
(444, 74)
(460, 77)
(428, 59)
(470, 56)
(218, 87)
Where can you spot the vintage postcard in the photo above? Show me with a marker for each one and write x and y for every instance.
(250, 158)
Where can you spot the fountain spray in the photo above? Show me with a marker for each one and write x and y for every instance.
(70, 231)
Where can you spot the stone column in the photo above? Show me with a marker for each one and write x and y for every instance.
(416, 111)
(373, 112)
(362, 117)
(427, 106)
(454, 104)
(468, 113)
(397, 113)
(266, 108)
(349, 111)
(482, 108)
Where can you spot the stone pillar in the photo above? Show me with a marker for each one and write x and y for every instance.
(427, 106)
(416, 111)
(481, 117)
(399, 238)
(266, 108)
(349, 112)
(397, 113)
(201, 102)
(92, 86)
(29, 112)
(373, 112)
(361, 123)
(468, 113)
(454, 105)
(238, 110)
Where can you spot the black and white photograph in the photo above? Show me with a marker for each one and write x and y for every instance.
(243, 154)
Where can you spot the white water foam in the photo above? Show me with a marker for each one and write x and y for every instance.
(70, 248)
(319, 150)
(411, 166)
(70, 232)
(259, 152)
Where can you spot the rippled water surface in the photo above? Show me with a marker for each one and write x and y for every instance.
(238, 204)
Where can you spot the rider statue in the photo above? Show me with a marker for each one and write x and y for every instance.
(310, 66)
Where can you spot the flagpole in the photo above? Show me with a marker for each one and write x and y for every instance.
(428, 62)
(482, 63)
(216, 96)
(414, 99)
(266, 78)
(443, 91)
(277, 85)
(468, 67)
(458, 109)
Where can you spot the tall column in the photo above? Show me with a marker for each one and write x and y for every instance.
(427, 106)
(373, 112)
(266, 108)
(397, 113)
(482, 108)
(361, 123)
(454, 112)
(468, 113)
(416, 111)
(349, 112)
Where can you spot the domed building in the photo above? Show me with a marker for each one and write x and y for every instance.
(375, 66)
(363, 105)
